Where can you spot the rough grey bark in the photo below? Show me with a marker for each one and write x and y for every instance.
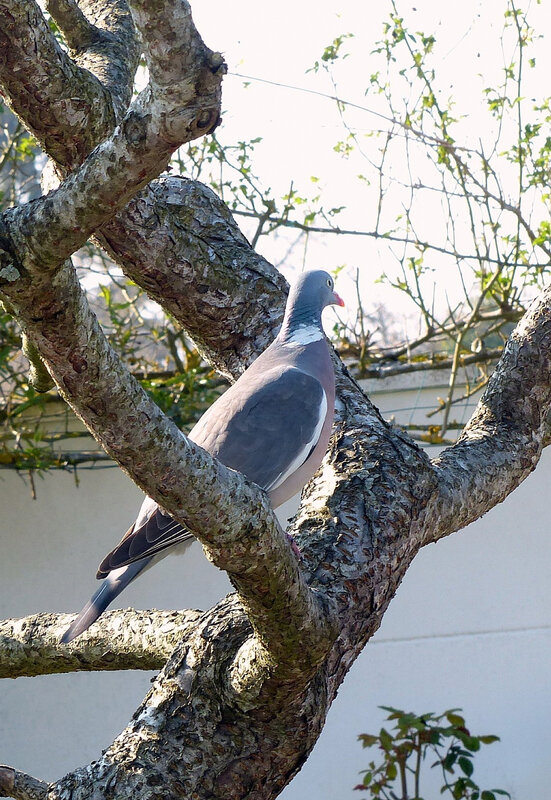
(242, 700)
(16, 784)
(36, 72)
(175, 238)
(127, 640)
(179, 242)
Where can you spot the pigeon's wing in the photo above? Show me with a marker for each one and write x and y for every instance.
(152, 532)
(265, 428)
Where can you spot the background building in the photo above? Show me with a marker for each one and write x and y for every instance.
(470, 626)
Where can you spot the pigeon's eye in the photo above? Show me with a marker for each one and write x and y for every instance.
(330, 283)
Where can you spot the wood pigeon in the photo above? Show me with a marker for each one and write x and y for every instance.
(273, 425)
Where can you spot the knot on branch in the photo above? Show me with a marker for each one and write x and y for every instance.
(217, 65)
(7, 780)
(197, 114)
(207, 121)
(134, 127)
(10, 268)
(9, 273)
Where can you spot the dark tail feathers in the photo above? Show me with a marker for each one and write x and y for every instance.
(113, 584)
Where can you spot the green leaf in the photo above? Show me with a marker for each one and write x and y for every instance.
(385, 739)
(394, 713)
(448, 762)
(455, 719)
(368, 740)
(466, 765)
(392, 771)
(471, 742)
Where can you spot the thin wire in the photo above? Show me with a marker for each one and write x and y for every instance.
(332, 97)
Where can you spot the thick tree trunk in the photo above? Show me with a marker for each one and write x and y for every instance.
(243, 698)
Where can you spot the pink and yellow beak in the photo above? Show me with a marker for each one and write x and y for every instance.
(337, 300)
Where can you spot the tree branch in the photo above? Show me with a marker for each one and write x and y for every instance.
(386, 370)
(217, 504)
(53, 227)
(174, 232)
(170, 41)
(54, 313)
(503, 440)
(420, 245)
(178, 241)
(103, 43)
(36, 73)
(288, 618)
(86, 95)
(126, 640)
(39, 377)
(78, 32)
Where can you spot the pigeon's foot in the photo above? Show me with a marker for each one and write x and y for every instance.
(294, 546)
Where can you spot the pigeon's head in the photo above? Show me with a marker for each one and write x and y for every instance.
(314, 290)
(309, 295)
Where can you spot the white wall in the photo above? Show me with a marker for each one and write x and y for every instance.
(470, 627)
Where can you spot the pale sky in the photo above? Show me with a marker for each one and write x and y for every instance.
(281, 42)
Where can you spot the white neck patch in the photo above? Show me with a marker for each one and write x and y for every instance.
(305, 334)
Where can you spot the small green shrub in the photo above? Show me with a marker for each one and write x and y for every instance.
(406, 747)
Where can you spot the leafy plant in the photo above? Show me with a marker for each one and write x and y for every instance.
(407, 745)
